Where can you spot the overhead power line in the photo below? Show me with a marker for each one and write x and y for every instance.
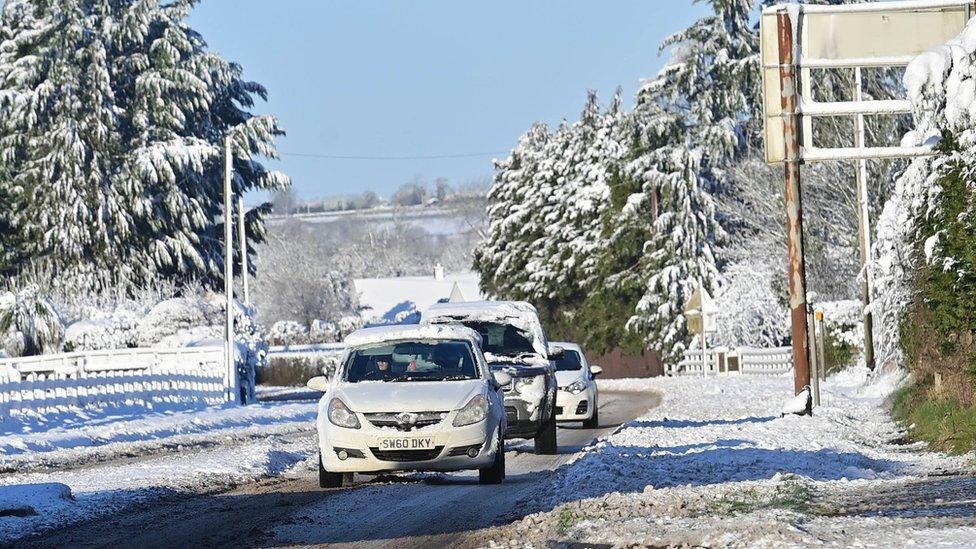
(416, 157)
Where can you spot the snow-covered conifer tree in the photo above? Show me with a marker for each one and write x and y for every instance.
(697, 112)
(112, 121)
(586, 158)
(514, 223)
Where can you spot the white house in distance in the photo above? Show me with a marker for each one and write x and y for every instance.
(401, 299)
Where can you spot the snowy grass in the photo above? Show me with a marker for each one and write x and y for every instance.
(718, 464)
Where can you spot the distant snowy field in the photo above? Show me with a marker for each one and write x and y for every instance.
(717, 465)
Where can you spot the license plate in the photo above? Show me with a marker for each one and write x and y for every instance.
(400, 443)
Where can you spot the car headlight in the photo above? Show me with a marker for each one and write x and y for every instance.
(341, 416)
(577, 387)
(475, 411)
(522, 383)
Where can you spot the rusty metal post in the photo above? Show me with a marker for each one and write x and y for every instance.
(794, 207)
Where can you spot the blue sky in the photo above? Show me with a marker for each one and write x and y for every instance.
(429, 77)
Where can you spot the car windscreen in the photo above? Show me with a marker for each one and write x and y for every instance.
(502, 339)
(412, 361)
(569, 362)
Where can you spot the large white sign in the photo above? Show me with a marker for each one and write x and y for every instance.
(876, 34)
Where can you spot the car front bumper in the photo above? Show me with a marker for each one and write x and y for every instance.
(578, 407)
(447, 440)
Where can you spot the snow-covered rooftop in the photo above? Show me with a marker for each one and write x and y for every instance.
(392, 299)
(379, 334)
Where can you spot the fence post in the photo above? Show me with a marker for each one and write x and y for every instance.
(815, 365)
(821, 353)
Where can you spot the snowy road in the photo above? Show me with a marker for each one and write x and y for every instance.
(401, 511)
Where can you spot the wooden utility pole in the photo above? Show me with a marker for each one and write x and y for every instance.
(794, 207)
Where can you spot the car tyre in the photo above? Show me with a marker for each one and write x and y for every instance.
(545, 439)
(333, 480)
(594, 421)
(495, 473)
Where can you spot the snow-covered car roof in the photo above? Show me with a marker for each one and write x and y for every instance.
(566, 345)
(517, 313)
(401, 332)
(480, 310)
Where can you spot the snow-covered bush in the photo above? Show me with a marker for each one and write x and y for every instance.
(288, 332)
(323, 331)
(750, 310)
(169, 321)
(29, 322)
(118, 330)
(843, 332)
(349, 324)
(940, 85)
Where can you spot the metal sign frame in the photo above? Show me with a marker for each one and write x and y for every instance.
(853, 36)
(795, 39)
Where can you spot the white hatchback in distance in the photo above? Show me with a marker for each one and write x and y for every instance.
(411, 398)
(577, 398)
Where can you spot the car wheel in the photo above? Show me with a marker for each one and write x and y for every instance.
(495, 473)
(594, 420)
(333, 480)
(545, 439)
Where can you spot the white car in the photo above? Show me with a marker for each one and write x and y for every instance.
(578, 395)
(417, 398)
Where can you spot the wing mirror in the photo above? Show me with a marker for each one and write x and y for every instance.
(595, 370)
(556, 353)
(318, 383)
(503, 379)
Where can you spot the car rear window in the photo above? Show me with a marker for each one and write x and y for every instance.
(570, 361)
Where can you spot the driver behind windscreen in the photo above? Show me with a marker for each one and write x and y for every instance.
(380, 370)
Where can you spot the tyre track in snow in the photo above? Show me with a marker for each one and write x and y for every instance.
(419, 510)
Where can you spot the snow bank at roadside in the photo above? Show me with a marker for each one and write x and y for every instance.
(93, 436)
(84, 466)
(718, 447)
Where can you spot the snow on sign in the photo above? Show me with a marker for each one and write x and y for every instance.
(881, 34)
(701, 312)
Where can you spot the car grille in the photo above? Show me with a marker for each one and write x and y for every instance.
(406, 455)
(511, 413)
(391, 419)
(559, 410)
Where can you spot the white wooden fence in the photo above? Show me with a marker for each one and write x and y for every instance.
(741, 360)
(50, 383)
(301, 351)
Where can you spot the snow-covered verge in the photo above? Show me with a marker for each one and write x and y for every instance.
(716, 464)
(85, 466)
